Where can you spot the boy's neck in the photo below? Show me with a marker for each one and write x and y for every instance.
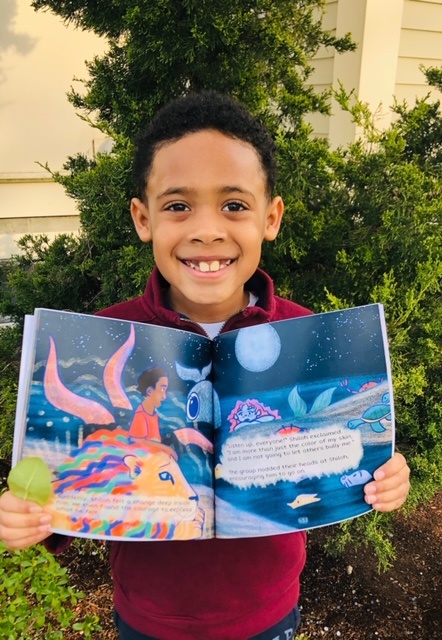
(209, 315)
(213, 329)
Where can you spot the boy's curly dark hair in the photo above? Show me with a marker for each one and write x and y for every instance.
(197, 112)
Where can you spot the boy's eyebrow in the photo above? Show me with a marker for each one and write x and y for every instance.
(188, 191)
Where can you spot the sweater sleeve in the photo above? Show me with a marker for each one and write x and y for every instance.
(57, 543)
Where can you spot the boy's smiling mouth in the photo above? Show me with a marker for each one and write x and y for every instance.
(206, 266)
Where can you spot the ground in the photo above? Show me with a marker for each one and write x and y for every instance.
(341, 598)
(404, 602)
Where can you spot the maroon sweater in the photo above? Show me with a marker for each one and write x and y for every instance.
(206, 589)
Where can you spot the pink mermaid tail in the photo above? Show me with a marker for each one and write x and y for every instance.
(62, 398)
(114, 369)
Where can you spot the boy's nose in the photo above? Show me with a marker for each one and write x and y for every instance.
(208, 226)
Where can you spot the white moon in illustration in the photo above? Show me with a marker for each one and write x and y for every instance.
(257, 348)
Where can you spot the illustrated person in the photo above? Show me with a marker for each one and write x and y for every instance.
(205, 176)
(152, 383)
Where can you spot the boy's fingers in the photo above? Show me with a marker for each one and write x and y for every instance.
(11, 504)
(386, 500)
(18, 533)
(388, 494)
(388, 506)
(26, 541)
(400, 482)
(22, 522)
(15, 527)
(396, 465)
(391, 489)
(17, 521)
(390, 486)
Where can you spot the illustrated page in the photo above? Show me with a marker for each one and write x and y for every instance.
(306, 416)
(121, 412)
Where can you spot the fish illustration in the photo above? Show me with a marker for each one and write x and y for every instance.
(218, 471)
(358, 477)
(202, 401)
(303, 499)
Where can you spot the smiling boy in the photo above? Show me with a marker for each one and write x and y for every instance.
(205, 174)
(207, 210)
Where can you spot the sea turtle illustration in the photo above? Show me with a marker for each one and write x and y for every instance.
(374, 415)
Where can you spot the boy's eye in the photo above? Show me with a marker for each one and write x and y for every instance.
(177, 206)
(235, 206)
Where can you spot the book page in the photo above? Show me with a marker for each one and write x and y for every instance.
(27, 354)
(306, 418)
(121, 412)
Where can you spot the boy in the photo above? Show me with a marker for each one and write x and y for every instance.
(152, 384)
(205, 174)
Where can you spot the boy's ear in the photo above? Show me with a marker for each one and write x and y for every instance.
(140, 217)
(275, 211)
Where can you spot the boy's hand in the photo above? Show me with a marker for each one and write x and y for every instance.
(391, 485)
(22, 523)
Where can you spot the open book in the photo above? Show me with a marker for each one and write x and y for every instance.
(161, 434)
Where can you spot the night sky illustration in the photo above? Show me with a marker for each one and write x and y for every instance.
(338, 344)
(91, 341)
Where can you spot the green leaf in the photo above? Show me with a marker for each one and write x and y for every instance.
(30, 479)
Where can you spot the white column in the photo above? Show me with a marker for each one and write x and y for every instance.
(375, 26)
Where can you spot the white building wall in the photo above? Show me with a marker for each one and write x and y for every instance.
(394, 38)
(39, 58)
(420, 44)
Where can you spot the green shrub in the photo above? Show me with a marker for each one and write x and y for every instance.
(35, 598)
(10, 343)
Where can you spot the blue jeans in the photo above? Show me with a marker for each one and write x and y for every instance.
(284, 630)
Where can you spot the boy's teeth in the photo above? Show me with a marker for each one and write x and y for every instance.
(205, 267)
(209, 266)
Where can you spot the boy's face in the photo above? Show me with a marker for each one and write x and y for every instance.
(158, 395)
(155, 396)
(207, 212)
